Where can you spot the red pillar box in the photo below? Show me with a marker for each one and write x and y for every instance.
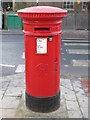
(42, 35)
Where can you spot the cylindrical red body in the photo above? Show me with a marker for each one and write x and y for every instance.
(42, 35)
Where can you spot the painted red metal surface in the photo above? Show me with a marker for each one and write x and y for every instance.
(42, 70)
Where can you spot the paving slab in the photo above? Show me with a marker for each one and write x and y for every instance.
(12, 77)
(17, 83)
(66, 90)
(0, 114)
(72, 105)
(83, 103)
(23, 111)
(9, 102)
(4, 85)
(74, 101)
(85, 112)
(76, 83)
(1, 95)
(5, 78)
(9, 113)
(14, 91)
(66, 83)
(70, 97)
(75, 114)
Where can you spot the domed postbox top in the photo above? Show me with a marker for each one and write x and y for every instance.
(41, 12)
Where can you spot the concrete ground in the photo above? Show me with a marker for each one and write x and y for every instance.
(65, 33)
(74, 99)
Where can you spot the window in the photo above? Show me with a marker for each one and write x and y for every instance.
(84, 5)
(68, 4)
(6, 4)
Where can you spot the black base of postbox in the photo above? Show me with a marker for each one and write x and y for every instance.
(43, 104)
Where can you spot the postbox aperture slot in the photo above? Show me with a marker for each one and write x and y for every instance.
(41, 29)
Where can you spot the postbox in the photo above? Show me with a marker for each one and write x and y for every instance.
(42, 37)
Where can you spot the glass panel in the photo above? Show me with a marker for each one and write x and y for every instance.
(67, 6)
(68, 2)
(71, 3)
(71, 6)
(84, 5)
(64, 6)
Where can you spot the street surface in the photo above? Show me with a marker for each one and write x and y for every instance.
(74, 56)
(12, 49)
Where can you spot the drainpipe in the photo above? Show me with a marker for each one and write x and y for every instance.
(0, 16)
(13, 3)
(37, 2)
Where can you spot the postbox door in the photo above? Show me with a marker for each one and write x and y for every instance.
(42, 65)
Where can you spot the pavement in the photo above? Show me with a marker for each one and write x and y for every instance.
(65, 33)
(75, 34)
(74, 92)
(74, 99)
